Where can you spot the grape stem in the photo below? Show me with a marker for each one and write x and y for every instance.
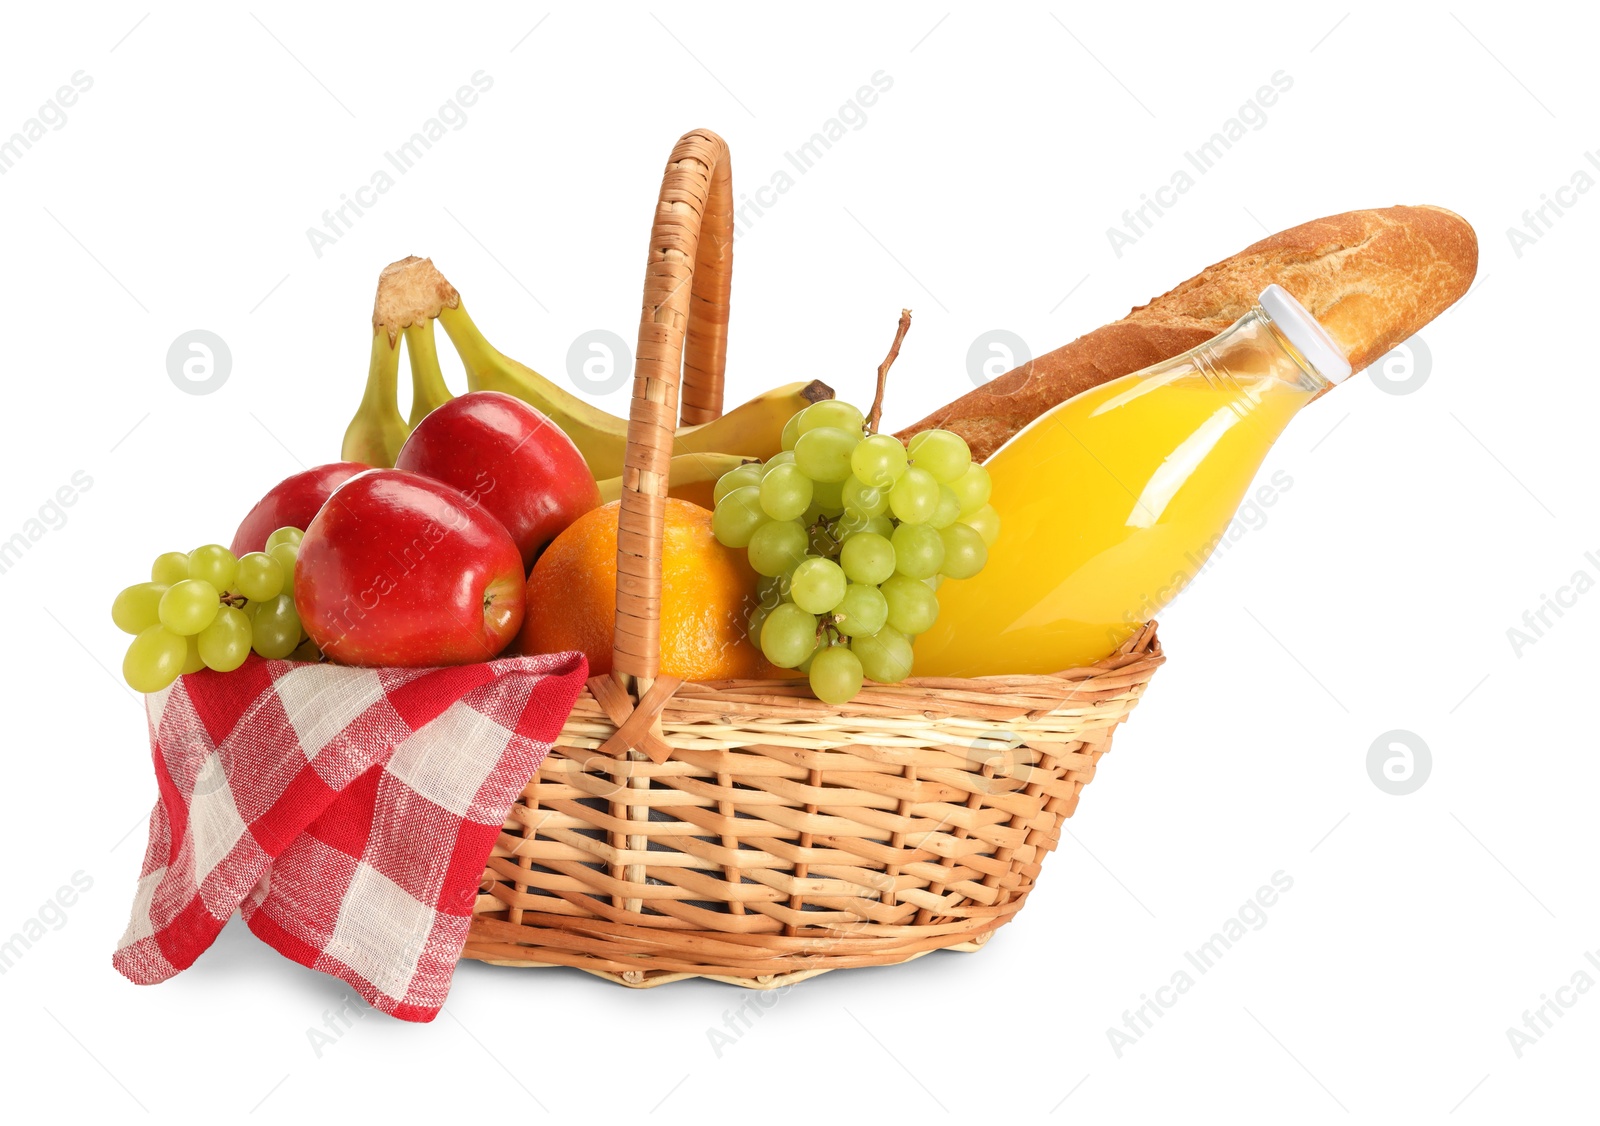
(876, 413)
(823, 524)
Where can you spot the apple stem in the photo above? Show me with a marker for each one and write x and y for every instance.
(876, 413)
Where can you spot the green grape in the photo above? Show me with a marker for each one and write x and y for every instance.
(818, 584)
(785, 493)
(791, 430)
(284, 535)
(915, 497)
(215, 564)
(972, 489)
(863, 609)
(879, 526)
(752, 624)
(776, 547)
(987, 522)
(260, 577)
(136, 608)
(965, 553)
(941, 453)
(287, 554)
(879, 460)
(171, 567)
(784, 458)
(885, 656)
(188, 607)
(154, 659)
(948, 511)
(225, 643)
(835, 675)
(912, 604)
(867, 558)
(865, 499)
(747, 474)
(737, 516)
(918, 550)
(805, 665)
(788, 636)
(767, 600)
(824, 454)
(831, 412)
(828, 496)
(276, 628)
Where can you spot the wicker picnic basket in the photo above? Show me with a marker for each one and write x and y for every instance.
(742, 830)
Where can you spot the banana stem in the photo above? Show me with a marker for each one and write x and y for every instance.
(487, 369)
(478, 356)
(428, 388)
(382, 393)
(376, 432)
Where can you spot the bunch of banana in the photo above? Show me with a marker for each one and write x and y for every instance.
(412, 294)
(404, 306)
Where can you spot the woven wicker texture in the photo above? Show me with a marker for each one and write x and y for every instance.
(743, 830)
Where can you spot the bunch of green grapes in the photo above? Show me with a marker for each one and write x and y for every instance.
(208, 609)
(852, 532)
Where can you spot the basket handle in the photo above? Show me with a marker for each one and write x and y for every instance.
(687, 280)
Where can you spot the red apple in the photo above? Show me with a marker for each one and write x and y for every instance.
(399, 569)
(509, 458)
(291, 504)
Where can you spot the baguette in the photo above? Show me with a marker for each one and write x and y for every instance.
(1371, 277)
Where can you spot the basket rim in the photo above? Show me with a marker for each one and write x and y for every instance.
(613, 722)
(1140, 652)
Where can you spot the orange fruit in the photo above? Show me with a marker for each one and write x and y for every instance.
(707, 591)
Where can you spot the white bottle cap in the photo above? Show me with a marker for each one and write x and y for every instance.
(1305, 333)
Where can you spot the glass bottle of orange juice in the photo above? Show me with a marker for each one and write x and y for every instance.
(1111, 502)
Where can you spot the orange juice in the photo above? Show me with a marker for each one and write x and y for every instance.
(1111, 502)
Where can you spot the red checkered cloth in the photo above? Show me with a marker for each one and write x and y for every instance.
(347, 813)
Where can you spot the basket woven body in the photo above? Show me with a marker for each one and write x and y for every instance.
(743, 830)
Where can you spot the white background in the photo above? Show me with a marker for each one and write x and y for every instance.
(1376, 596)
